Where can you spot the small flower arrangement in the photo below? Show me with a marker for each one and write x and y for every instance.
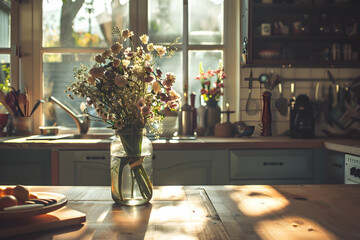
(123, 86)
(211, 91)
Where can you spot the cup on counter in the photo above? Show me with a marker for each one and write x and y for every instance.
(22, 126)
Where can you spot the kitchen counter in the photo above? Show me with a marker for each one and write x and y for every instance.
(215, 212)
(351, 146)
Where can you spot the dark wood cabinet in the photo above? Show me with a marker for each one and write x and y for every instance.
(301, 33)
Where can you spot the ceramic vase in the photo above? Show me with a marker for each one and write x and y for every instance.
(213, 113)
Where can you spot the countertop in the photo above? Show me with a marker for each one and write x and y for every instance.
(351, 146)
(215, 212)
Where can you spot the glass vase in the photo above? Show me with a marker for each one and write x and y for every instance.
(131, 167)
(213, 112)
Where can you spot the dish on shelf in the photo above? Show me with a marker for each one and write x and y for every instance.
(268, 54)
(61, 201)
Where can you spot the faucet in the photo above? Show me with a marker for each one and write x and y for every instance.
(82, 124)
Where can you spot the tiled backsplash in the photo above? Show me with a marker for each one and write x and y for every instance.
(280, 123)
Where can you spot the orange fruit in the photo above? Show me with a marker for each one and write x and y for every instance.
(33, 196)
(21, 193)
(7, 201)
(7, 191)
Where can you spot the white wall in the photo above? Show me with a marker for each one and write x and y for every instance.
(279, 123)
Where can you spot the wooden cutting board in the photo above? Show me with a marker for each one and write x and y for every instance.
(56, 219)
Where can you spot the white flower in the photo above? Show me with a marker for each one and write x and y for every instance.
(144, 39)
(150, 47)
(160, 49)
(125, 63)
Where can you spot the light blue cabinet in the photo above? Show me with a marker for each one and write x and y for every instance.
(335, 167)
(274, 166)
(191, 167)
(25, 166)
(84, 168)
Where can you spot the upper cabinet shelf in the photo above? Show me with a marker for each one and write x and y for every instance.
(301, 33)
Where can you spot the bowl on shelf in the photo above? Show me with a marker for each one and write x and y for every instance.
(268, 54)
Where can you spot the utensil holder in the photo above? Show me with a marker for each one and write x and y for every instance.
(22, 126)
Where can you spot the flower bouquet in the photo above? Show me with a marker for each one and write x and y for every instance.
(128, 94)
(211, 91)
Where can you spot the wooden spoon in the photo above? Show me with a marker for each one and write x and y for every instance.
(22, 103)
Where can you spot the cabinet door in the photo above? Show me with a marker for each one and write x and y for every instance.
(84, 168)
(25, 166)
(265, 166)
(191, 167)
(335, 167)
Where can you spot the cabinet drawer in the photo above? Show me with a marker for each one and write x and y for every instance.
(335, 167)
(272, 164)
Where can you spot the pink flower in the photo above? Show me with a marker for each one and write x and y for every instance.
(116, 62)
(156, 86)
(97, 72)
(148, 79)
(207, 83)
(223, 76)
(116, 48)
(204, 91)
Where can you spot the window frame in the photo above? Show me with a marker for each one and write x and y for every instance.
(32, 50)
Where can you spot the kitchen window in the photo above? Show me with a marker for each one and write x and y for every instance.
(65, 36)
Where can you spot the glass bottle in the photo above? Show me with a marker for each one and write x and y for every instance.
(131, 167)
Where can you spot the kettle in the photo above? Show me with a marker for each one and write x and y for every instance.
(302, 120)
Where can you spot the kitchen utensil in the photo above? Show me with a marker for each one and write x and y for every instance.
(342, 116)
(263, 78)
(281, 103)
(331, 78)
(317, 105)
(266, 115)
(330, 102)
(251, 106)
(22, 103)
(36, 106)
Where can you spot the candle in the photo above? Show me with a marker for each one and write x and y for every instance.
(227, 107)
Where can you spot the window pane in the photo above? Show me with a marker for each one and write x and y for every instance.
(209, 60)
(4, 72)
(87, 25)
(165, 20)
(174, 65)
(206, 21)
(58, 72)
(5, 23)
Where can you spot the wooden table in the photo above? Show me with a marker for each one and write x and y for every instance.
(215, 212)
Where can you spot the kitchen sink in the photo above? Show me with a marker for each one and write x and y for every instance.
(89, 136)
